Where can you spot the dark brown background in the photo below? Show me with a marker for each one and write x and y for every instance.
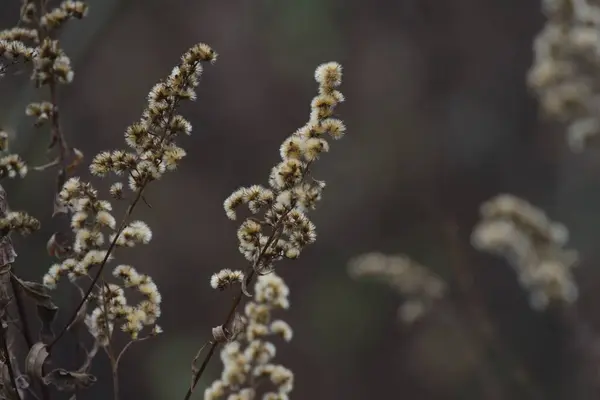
(439, 120)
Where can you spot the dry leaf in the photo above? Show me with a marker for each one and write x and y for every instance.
(58, 245)
(46, 316)
(44, 167)
(77, 159)
(8, 391)
(67, 380)
(34, 362)
(59, 206)
(37, 292)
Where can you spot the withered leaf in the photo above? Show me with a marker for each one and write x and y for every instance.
(47, 316)
(37, 292)
(67, 380)
(77, 159)
(53, 141)
(44, 167)
(46, 309)
(58, 245)
(59, 206)
(245, 286)
(236, 326)
(8, 391)
(34, 362)
(89, 357)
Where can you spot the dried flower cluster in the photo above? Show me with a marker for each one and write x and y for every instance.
(50, 64)
(15, 50)
(67, 10)
(534, 246)
(420, 287)
(292, 191)
(567, 58)
(11, 165)
(18, 221)
(12, 221)
(91, 221)
(282, 231)
(153, 152)
(247, 361)
(152, 139)
(133, 318)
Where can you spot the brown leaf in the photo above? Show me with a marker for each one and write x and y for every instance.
(53, 141)
(77, 159)
(44, 167)
(67, 380)
(37, 292)
(58, 245)
(245, 286)
(47, 316)
(59, 206)
(236, 326)
(34, 362)
(8, 390)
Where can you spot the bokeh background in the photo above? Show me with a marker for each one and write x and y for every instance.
(439, 120)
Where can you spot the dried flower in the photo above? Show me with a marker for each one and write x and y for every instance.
(247, 361)
(534, 246)
(419, 286)
(285, 228)
(153, 152)
(563, 76)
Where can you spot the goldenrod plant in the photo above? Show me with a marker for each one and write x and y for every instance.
(118, 299)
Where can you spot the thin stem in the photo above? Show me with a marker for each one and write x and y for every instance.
(101, 268)
(124, 349)
(57, 133)
(238, 298)
(138, 197)
(236, 302)
(109, 349)
(32, 393)
(482, 320)
(115, 377)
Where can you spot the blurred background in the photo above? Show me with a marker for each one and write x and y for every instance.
(439, 120)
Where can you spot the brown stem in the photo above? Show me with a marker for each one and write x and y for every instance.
(101, 268)
(57, 133)
(583, 342)
(236, 301)
(214, 344)
(109, 349)
(115, 376)
(482, 320)
(138, 197)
